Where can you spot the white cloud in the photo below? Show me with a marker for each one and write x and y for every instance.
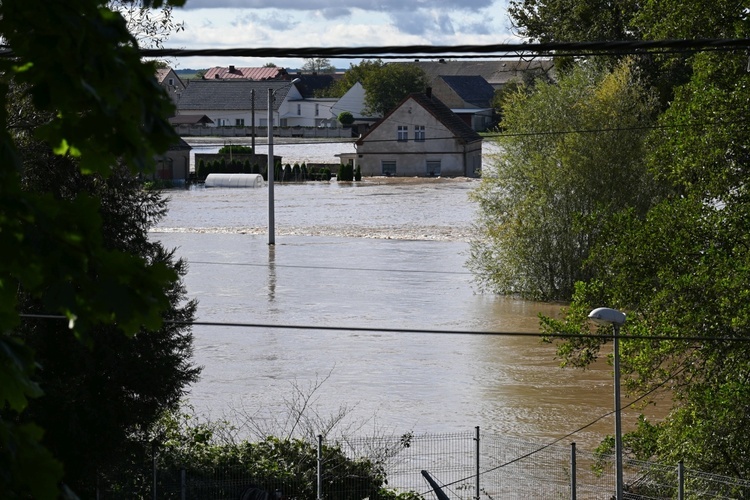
(225, 24)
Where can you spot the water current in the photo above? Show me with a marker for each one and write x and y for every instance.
(378, 254)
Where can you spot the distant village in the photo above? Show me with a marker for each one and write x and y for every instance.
(428, 134)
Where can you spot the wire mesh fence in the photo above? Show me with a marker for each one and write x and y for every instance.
(465, 466)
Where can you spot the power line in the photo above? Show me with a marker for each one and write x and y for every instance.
(550, 49)
(558, 335)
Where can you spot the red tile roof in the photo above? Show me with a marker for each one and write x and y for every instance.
(257, 74)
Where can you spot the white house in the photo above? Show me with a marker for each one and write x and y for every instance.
(240, 103)
(421, 137)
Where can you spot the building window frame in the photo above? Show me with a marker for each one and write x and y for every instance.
(388, 167)
(402, 133)
(419, 133)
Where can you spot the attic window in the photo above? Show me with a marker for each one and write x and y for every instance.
(402, 133)
(419, 134)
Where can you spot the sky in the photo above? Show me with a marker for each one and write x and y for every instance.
(225, 24)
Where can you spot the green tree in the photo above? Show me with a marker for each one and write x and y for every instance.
(386, 86)
(682, 271)
(345, 118)
(355, 73)
(318, 65)
(106, 107)
(572, 20)
(568, 151)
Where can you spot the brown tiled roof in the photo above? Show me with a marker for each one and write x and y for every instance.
(257, 74)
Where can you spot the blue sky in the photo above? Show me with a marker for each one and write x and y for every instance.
(219, 24)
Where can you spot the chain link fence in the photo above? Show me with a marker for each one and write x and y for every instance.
(465, 465)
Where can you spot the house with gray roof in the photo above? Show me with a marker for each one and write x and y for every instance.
(239, 102)
(469, 96)
(421, 137)
(497, 72)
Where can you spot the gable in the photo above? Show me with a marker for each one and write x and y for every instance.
(442, 117)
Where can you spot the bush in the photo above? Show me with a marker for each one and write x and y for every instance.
(345, 118)
(236, 149)
(346, 172)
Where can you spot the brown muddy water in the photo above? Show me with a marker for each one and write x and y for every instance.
(379, 254)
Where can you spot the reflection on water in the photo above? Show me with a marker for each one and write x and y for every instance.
(377, 255)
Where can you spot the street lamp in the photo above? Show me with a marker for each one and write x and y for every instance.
(271, 165)
(607, 316)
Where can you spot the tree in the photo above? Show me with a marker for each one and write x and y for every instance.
(318, 65)
(355, 73)
(150, 27)
(345, 118)
(572, 20)
(100, 397)
(387, 85)
(106, 107)
(682, 271)
(567, 151)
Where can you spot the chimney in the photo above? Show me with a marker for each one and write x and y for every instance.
(428, 91)
(231, 69)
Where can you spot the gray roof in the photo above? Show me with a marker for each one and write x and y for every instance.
(473, 89)
(497, 73)
(233, 94)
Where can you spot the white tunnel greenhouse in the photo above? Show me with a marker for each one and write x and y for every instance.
(234, 180)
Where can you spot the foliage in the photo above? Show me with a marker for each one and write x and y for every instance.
(318, 65)
(682, 271)
(83, 69)
(346, 172)
(542, 203)
(572, 20)
(355, 73)
(345, 118)
(235, 149)
(387, 86)
(288, 464)
(150, 27)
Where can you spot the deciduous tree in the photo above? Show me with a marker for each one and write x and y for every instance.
(571, 156)
(83, 69)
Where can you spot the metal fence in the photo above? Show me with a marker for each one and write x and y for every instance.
(467, 466)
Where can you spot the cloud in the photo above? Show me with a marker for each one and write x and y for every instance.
(322, 5)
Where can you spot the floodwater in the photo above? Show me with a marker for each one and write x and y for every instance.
(372, 265)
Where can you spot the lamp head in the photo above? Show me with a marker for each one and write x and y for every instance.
(607, 316)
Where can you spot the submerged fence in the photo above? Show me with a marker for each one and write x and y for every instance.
(466, 466)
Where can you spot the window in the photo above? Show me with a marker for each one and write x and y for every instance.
(171, 82)
(299, 109)
(389, 167)
(317, 110)
(433, 168)
(403, 133)
(239, 122)
(419, 133)
(222, 122)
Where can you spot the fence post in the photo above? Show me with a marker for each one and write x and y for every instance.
(680, 480)
(572, 471)
(320, 466)
(476, 429)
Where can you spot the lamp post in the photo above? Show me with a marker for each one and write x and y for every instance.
(607, 316)
(271, 164)
(252, 120)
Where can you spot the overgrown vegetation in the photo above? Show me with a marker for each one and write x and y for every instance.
(674, 258)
